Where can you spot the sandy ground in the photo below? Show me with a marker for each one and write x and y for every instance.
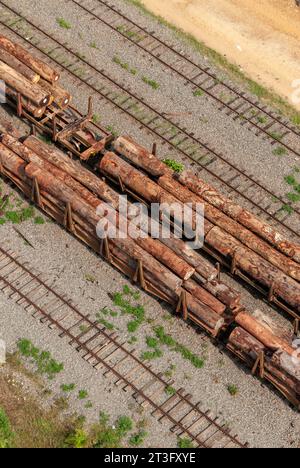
(260, 36)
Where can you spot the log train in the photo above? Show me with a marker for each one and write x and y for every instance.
(72, 190)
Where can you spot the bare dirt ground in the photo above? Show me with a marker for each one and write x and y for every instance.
(262, 37)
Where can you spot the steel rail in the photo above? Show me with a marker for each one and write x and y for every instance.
(154, 131)
(80, 319)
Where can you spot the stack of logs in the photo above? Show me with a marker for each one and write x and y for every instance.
(30, 83)
(251, 245)
(166, 267)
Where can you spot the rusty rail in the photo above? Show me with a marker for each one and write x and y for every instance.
(102, 349)
(234, 101)
(207, 159)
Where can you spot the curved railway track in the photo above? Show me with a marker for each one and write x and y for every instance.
(104, 350)
(244, 187)
(236, 103)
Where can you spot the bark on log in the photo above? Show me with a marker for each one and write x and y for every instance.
(242, 341)
(223, 292)
(35, 64)
(262, 334)
(170, 206)
(26, 103)
(60, 96)
(204, 296)
(244, 217)
(60, 191)
(19, 66)
(12, 162)
(154, 247)
(210, 318)
(256, 267)
(17, 81)
(140, 157)
(232, 227)
(100, 188)
(7, 127)
(201, 265)
(73, 168)
(246, 343)
(290, 364)
(97, 186)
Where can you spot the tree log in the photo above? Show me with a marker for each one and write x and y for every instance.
(73, 168)
(170, 206)
(140, 157)
(26, 103)
(232, 227)
(17, 81)
(262, 334)
(206, 315)
(247, 343)
(244, 217)
(242, 341)
(7, 127)
(61, 192)
(290, 364)
(60, 96)
(223, 292)
(256, 267)
(35, 64)
(204, 296)
(19, 66)
(152, 246)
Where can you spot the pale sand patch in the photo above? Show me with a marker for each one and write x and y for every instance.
(261, 36)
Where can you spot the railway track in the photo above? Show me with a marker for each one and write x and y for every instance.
(104, 350)
(241, 106)
(243, 186)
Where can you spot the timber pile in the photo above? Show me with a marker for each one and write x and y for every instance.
(30, 83)
(231, 233)
(168, 268)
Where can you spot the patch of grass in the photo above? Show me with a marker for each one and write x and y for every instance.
(6, 434)
(198, 92)
(287, 209)
(171, 343)
(82, 394)
(96, 118)
(277, 136)
(93, 45)
(173, 164)
(184, 443)
(124, 65)
(262, 120)
(296, 119)
(132, 340)
(293, 197)
(102, 321)
(111, 129)
(138, 438)
(151, 355)
(39, 220)
(137, 311)
(63, 23)
(90, 278)
(45, 364)
(169, 372)
(68, 387)
(170, 390)
(232, 389)
(280, 151)
(129, 34)
(151, 342)
(152, 83)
